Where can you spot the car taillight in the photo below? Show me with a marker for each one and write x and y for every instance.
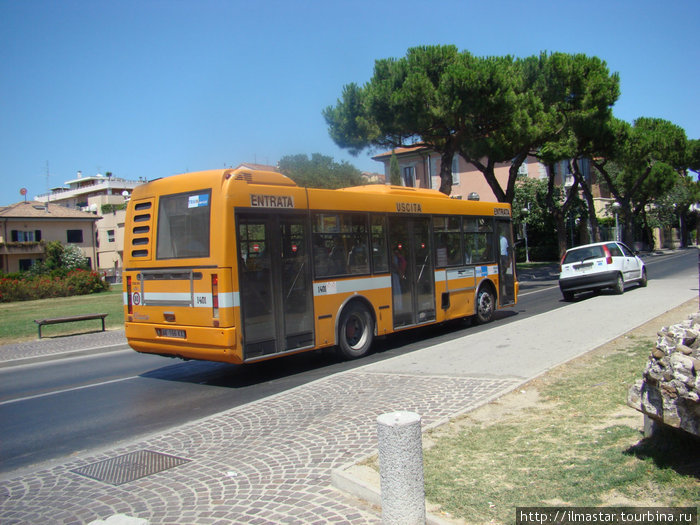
(561, 263)
(129, 304)
(215, 294)
(608, 255)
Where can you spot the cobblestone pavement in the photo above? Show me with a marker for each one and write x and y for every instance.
(266, 462)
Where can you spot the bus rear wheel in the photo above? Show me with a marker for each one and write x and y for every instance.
(355, 331)
(485, 305)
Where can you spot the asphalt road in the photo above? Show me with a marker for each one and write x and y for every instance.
(54, 409)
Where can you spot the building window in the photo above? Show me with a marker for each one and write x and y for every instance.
(455, 169)
(110, 235)
(74, 236)
(434, 178)
(409, 177)
(25, 264)
(25, 236)
(522, 170)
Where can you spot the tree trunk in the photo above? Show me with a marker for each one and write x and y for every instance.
(588, 195)
(446, 171)
(560, 221)
(559, 211)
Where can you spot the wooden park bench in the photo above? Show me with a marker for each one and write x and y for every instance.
(70, 319)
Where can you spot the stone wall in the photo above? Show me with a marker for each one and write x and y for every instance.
(669, 391)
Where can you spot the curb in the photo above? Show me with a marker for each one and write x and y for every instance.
(344, 480)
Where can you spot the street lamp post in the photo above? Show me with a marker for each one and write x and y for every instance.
(526, 213)
(616, 207)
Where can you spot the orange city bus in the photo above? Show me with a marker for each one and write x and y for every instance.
(243, 265)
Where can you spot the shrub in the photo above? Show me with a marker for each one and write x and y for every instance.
(76, 282)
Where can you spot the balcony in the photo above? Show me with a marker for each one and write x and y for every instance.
(22, 248)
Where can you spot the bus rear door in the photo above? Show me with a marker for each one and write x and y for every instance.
(412, 272)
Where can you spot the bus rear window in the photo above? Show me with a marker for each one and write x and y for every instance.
(183, 225)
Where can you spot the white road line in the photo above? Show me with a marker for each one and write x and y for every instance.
(46, 394)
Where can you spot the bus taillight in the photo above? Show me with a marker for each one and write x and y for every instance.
(129, 304)
(215, 295)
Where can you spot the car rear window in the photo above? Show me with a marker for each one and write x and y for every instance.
(583, 254)
(615, 250)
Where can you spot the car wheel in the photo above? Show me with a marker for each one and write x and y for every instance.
(643, 280)
(568, 296)
(355, 331)
(485, 305)
(619, 287)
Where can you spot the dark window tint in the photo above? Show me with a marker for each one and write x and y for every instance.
(340, 242)
(184, 225)
(584, 254)
(478, 240)
(448, 241)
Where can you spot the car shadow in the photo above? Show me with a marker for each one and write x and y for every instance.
(582, 296)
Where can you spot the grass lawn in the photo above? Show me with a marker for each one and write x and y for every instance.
(17, 318)
(566, 438)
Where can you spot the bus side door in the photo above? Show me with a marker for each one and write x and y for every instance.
(275, 283)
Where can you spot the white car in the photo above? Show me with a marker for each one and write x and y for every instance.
(598, 266)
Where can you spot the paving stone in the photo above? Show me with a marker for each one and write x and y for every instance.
(266, 462)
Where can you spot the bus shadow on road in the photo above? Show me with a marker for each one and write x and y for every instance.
(297, 369)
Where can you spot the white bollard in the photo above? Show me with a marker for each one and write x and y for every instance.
(401, 468)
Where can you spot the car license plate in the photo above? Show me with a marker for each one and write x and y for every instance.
(171, 332)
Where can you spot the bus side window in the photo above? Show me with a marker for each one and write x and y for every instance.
(340, 244)
(478, 241)
(447, 241)
(380, 258)
(322, 262)
(337, 256)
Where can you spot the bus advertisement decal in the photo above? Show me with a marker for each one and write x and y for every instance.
(483, 271)
(198, 201)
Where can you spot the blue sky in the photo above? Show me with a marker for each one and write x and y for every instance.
(149, 88)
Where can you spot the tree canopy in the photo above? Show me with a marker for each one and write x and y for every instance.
(488, 109)
(319, 171)
(644, 161)
(495, 110)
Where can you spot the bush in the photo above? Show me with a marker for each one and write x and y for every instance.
(76, 282)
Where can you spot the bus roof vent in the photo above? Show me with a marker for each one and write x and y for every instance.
(245, 176)
(272, 178)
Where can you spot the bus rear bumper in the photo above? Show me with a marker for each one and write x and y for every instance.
(186, 342)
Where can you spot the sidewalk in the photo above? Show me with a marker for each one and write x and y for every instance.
(272, 461)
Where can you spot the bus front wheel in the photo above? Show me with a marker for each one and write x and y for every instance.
(355, 331)
(485, 305)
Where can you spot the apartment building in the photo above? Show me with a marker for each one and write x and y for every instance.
(26, 226)
(105, 197)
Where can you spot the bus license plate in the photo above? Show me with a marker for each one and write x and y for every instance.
(171, 332)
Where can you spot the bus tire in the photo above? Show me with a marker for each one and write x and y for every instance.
(485, 305)
(355, 331)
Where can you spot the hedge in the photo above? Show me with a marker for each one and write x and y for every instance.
(76, 282)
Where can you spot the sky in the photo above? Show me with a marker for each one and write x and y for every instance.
(150, 88)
